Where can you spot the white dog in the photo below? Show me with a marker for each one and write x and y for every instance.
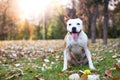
(76, 44)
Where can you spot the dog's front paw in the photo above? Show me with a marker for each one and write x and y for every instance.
(64, 69)
(92, 68)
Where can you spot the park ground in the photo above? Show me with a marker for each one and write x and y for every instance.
(43, 60)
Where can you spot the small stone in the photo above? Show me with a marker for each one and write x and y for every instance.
(74, 76)
(93, 77)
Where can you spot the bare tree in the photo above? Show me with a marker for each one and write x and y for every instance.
(8, 18)
(93, 24)
(71, 11)
(3, 11)
(105, 23)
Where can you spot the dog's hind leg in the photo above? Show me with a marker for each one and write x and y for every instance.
(84, 59)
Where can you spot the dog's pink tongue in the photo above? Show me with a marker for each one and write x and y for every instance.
(75, 36)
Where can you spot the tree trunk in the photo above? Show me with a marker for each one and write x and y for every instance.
(105, 23)
(2, 34)
(93, 24)
(71, 12)
(3, 25)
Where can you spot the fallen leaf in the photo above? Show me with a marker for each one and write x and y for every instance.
(108, 74)
(62, 74)
(38, 78)
(117, 66)
(84, 77)
(35, 67)
(13, 76)
(116, 79)
(10, 77)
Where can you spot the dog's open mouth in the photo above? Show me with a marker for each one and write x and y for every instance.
(75, 35)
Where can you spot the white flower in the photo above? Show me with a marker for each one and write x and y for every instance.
(46, 60)
(49, 67)
(118, 61)
(52, 62)
(17, 65)
(42, 68)
(44, 65)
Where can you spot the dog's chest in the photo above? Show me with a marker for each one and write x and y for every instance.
(76, 46)
(76, 50)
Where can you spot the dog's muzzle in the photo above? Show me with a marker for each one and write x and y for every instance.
(74, 33)
(74, 30)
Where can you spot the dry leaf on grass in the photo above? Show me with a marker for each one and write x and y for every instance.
(38, 78)
(117, 65)
(88, 76)
(14, 73)
(13, 76)
(62, 74)
(108, 74)
(84, 77)
(116, 79)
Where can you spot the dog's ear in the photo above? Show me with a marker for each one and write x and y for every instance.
(66, 18)
(82, 17)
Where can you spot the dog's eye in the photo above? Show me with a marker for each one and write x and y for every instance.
(78, 23)
(70, 24)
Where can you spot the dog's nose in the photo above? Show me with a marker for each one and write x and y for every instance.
(74, 29)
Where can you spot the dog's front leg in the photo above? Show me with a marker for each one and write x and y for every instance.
(88, 54)
(65, 60)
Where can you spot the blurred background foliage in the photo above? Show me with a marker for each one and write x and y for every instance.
(12, 28)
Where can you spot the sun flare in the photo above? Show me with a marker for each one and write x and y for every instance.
(64, 2)
(31, 8)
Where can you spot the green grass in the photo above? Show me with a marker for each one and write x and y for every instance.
(54, 73)
(31, 66)
(107, 64)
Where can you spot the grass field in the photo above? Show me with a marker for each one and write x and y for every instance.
(43, 60)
